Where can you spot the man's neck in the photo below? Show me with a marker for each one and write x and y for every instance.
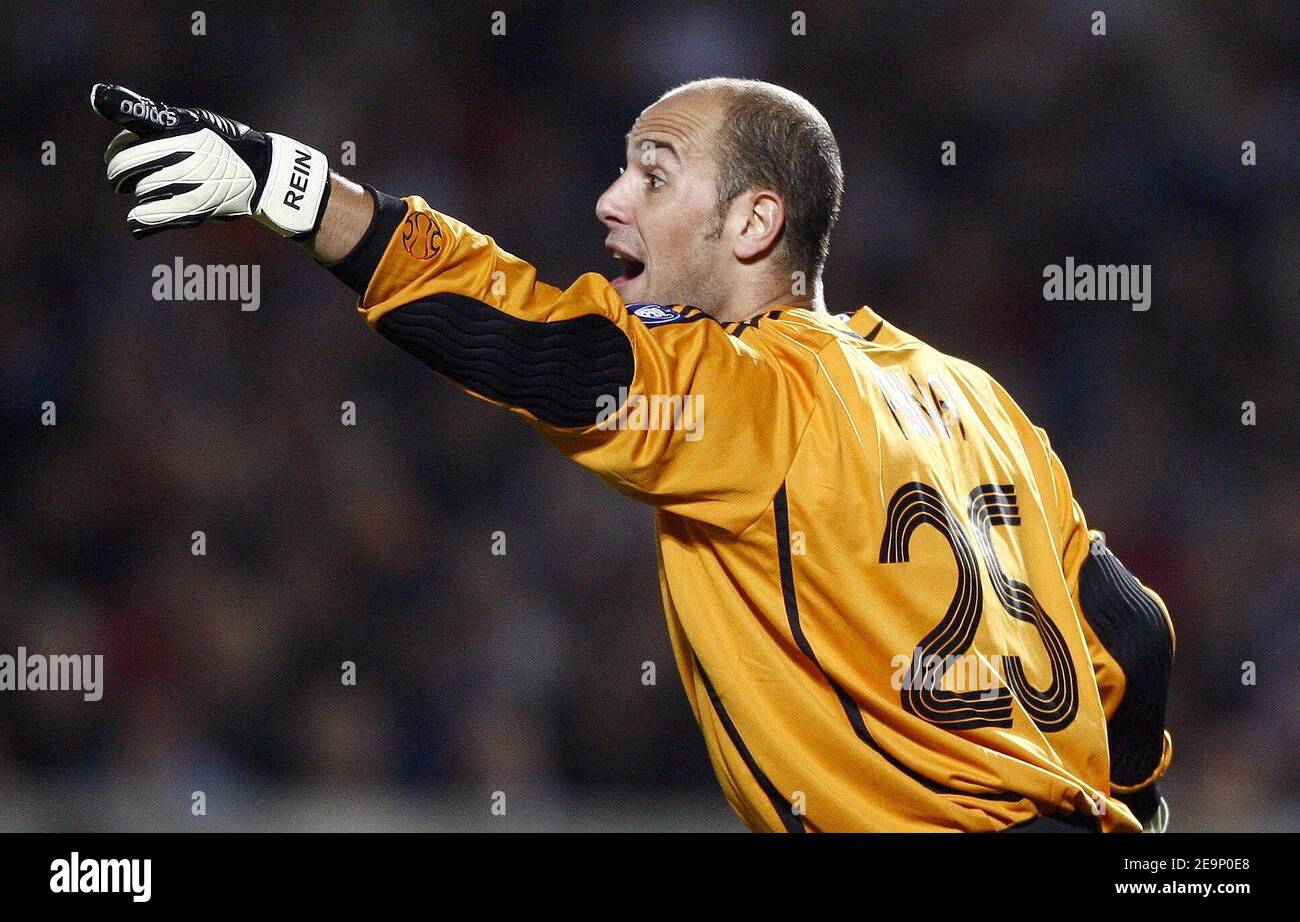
(744, 309)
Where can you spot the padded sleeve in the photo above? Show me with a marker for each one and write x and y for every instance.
(658, 400)
(557, 371)
(1130, 624)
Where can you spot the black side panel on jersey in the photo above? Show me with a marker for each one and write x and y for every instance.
(557, 371)
(788, 819)
(1132, 628)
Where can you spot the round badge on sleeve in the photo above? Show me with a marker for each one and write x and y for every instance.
(652, 315)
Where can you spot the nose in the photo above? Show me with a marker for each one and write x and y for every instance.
(611, 207)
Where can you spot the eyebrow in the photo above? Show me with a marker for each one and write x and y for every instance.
(659, 145)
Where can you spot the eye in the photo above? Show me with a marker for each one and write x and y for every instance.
(655, 181)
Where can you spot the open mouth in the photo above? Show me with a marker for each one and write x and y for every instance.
(631, 268)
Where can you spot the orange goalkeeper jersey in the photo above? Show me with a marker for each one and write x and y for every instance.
(869, 556)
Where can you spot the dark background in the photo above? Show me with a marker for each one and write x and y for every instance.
(372, 543)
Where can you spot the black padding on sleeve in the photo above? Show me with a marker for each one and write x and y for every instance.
(555, 370)
(1132, 628)
(356, 269)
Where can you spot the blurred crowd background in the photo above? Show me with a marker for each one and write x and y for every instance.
(373, 543)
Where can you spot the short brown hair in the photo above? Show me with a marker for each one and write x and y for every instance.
(775, 139)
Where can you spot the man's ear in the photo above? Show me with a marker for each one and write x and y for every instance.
(764, 216)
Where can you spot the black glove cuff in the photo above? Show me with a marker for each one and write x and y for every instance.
(356, 269)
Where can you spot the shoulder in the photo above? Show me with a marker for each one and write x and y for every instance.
(797, 329)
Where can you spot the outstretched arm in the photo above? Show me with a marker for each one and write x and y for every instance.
(621, 391)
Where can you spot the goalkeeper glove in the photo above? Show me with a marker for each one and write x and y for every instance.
(187, 165)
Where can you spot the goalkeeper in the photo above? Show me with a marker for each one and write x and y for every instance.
(888, 610)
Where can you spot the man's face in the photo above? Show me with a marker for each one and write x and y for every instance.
(662, 210)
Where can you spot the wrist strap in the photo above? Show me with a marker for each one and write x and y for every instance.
(292, 200)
